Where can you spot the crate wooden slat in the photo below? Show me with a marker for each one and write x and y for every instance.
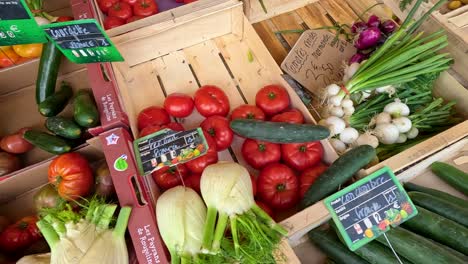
(255, 13)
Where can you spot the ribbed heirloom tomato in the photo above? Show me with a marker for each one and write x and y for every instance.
(259, 153)
(308, 177)
(121, 10)
(292, 116)
(218, 127)
(278, 186)
(155, 128)
(211, 100)
(153, 115)
(272, 99)
(104, 5)
(168, 177)
(247, 112)
(20, 235)
(301, 156)
(112, 22)
(179, 105)
(71, 175)
(145, 8)
(199, 164)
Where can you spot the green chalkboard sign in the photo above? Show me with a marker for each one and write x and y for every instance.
(82, 41)
(367, 208)
(17, 24)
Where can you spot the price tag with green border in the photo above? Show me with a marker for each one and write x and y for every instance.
(367, 208)
(82, 41)
(17, 24)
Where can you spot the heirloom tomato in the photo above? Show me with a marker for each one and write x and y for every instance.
(247, 112)
(168, 177)
(272, 99)
(292, 116)
(258, 154)
(278, 186)
(301, 156)
(211, 100)
(179, 105)
(218, 128)
(153, 115)
(308, 177)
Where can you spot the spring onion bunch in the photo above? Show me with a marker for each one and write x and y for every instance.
(85, 236)
(227, 191)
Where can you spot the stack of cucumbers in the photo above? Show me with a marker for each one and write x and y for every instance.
(437, 234)
(51, 103)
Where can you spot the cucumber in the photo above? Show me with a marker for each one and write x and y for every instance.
(55, 103)
(328, 243)
(376, 253)
(440, 229)
(338, 173)
(63, 127)
(85, 111)
(418, 249)
(451, 175)
(439, 194)
(49, 65)
(47, 142)
(440, 206)
(278, 132)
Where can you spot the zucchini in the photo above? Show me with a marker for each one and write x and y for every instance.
(440, 229)
(55, 103)
(338, 173)
(451, 175)
(439, 194)
(328, 243)
(47, 142)
(441, 207)
(49, 65)
(85, 111)
(63, 127)
(278, 132)
(418, 249)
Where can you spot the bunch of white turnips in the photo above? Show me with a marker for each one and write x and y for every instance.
(389, 127)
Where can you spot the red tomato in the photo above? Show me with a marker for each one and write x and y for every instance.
(260, 153)
(179, 105)
(71, 174)
(301, 156)
(308, 177)
(20, 235)
(130, 2)
(134, 18)
(168, 177)
(247, 112)
(112, 22)
(64, 18)
(265, 208)
(254, 184)
(292, 116)
(104, 5)
(193, 181)
(199, 164)
(15, 144)
(155, 128)
(272, 99)
(153, 115)
(121, 10)
(211, 100)
(278, 186)
(145, 8)
(218, 127)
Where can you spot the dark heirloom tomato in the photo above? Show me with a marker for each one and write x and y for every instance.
(247, 112)
(168, 177)
(293, 116)
(278, 186)
(121, 10)
(218, 128)
(301, 156)
(153, 115)
(155, 128)
(199, 164)
(308, 177)
(179, 105)
(272, 99)
(71, 175)
(20, 235)
(211, 100)
(259, 153)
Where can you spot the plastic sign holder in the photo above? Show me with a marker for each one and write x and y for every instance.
(366, 209)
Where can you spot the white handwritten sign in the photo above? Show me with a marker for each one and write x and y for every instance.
(316, 59)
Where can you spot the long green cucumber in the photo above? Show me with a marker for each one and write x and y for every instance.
(47, 142)
(278, 132)
(439, 194)
(440, 229)
(55, 103)
(451, 175)
(328, 243)
(49, 65)
(440, 206)
(418, 249)
(338, 173)
(376, 253)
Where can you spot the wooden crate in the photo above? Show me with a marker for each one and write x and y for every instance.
(255, 13)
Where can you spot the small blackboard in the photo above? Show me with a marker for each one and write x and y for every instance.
(13, 10)
(82, 41)
(367, 208)
(168, 148)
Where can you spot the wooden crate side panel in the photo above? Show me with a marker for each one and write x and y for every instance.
(255, 12)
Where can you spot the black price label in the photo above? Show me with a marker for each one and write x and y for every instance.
(13, 10)
(168, 148)
(368, 208)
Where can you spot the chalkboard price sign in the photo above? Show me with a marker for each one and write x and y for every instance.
(17, 24)
(368, 208)
(168, 148)
(82, 41)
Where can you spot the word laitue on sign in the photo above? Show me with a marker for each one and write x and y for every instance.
(367, 208)
(168, 148)
(316, 60)
(82, 41)
(17, 24)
